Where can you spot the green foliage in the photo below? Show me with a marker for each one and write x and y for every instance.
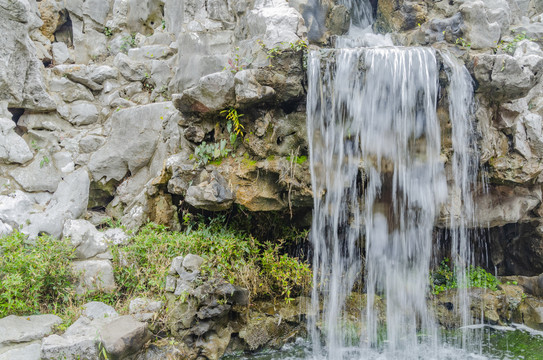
(141, 266)
(34, 278)
(214, 152)
(287, 275)
(128, 41)
(463, 43)
(204, 153)
(107, 31)
(235, 63)
(445, 278)
(232, 118)
(510, 46)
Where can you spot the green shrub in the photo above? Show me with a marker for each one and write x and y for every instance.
(444, 278)
(34, 278)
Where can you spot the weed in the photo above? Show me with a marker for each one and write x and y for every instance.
(232, 118)
(445, 278)
(463, 43)
(34, 278)
(235, 63)
(107, 31)
(204, 153)
(128, 42)
(510, 46)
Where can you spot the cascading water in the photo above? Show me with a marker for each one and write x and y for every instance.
(379, 182)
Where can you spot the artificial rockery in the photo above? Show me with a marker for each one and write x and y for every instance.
(152, 111)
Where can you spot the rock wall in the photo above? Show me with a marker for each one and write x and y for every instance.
(117, 108)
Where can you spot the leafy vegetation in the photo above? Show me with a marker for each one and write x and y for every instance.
(444, 278)
(205, 153)
(235, 63)
(128, 41)
(510, 46)
(213, 152)
(34, 278)
(37, 278)
(229, 254)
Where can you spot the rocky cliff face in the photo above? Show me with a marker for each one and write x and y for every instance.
(119, 108)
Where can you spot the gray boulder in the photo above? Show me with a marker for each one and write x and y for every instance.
(192, 262)
(40, 175)
(20, 329)
(13, 149)
(94, 275)
(87, 241)
(506, 77)
(144, 309)
(98, 310)
(212, 193)
(124, 336)
(131, 142)
(248, 90)
(79, 342)
(27, 351)
(213, 93)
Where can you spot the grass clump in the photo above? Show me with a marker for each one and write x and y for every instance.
(445, 278)
(34, 278)
(142, 265)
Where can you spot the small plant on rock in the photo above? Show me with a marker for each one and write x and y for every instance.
(235, 128)
(128, 42)
(235, 63)
(204, 153)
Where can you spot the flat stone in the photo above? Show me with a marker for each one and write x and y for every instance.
(18, 329)
(30, 351)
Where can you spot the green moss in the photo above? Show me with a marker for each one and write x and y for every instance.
(445, 278)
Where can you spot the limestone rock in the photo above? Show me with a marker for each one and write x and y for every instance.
(506, 77)
(13, 149)
(60, 53)
(192, 262)
(94, 275)
(481, 33)
(213, 93)
(131, 70)
(83, 113)
(98, 310)
(212, 193)
(248, 90)
(124, 336)
(87, 241)
(21, 81)
(40, 175)
(177, 265)
(20, 329)
(131, 143)
(144, 309)
(69, 91)
(27, 351)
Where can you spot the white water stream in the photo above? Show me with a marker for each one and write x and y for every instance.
(379, 182)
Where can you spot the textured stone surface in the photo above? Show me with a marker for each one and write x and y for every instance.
(98, 310)
(20, 329)
(94, 275)
(124, 336)
(87, 241)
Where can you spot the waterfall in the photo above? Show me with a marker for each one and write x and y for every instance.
(379, 182)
